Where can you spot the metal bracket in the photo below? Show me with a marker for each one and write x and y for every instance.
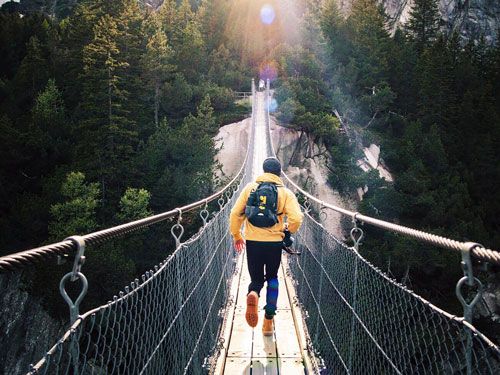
(75, 274)
(204, 214)
(323, 215)
(307, 204)
(220, 201)
(79, 257)
(468, 279)
(356, 238)
(178, 226)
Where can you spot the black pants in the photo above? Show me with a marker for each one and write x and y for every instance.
(263, 263)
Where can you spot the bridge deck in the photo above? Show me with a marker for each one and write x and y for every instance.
(247, 350)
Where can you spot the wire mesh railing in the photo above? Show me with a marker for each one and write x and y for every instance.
(361, 321)
(168, 321)
(171, 320)
(358, 319)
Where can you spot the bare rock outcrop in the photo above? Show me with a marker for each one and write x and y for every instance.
(231, 141)
(305, 162)
(30, 330)
(470, 18)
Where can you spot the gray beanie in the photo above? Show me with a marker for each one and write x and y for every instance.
(272, 165)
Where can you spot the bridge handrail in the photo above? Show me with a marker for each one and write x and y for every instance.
(477, 250)
(23, 259)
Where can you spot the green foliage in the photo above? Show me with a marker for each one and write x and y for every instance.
(423, 25)
(134, 205)
(49, 106)
(431, 101)
(76, 215)
(88, 93)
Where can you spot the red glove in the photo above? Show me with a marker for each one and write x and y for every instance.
(239, 245)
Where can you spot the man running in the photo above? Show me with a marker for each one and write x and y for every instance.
(262, 207)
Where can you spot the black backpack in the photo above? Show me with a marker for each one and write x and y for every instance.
(262, 205)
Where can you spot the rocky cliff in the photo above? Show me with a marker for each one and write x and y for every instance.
(305, 162)
(60, 8)
(26, 329)
(470, 18)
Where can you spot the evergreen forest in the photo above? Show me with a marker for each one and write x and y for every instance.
(109, 109)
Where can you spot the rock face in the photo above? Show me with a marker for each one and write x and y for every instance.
(63, 8)
(305, 163)
(471, 18)
(26, 329)
(231, 142)
(487, 311)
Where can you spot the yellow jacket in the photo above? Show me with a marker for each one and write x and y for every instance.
(287, 205)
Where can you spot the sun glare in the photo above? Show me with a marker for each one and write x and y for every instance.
(267, 14)
(259, 26)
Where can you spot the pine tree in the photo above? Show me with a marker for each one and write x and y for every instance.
(134, 205)
(167, 15)
(157, 66)
(49, 134)
(189, 51)
(33, 72)
(423, 25)
(368, 31)
(213, 16)
(111, 134)
(76, 215)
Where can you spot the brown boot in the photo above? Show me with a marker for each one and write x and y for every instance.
(252, 314)
(267, 327)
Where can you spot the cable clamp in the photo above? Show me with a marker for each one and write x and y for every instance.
(323, 215)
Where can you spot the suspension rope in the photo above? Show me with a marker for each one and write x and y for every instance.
(23, 259)
(478, 252)
(368, 318)
(371, 319)
(178, 304)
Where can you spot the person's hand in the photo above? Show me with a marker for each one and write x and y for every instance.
(239, 245)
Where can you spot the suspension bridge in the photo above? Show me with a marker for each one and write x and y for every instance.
(337, 313)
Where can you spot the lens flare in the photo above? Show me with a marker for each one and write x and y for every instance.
(268, 71)
(273, 105)
(267, 14)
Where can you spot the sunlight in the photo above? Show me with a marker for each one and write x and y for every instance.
(258, 27)
(267, 14)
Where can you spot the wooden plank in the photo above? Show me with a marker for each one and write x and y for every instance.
(291, 366)
(263, 346)
(283, 300)
(264, 366)
(286, 336)
(237, 366)
(300, 328)
(241, 337)
(228, 318)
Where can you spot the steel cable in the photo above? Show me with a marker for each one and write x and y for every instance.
(20, 260)
(361, 321)
(478, 252)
